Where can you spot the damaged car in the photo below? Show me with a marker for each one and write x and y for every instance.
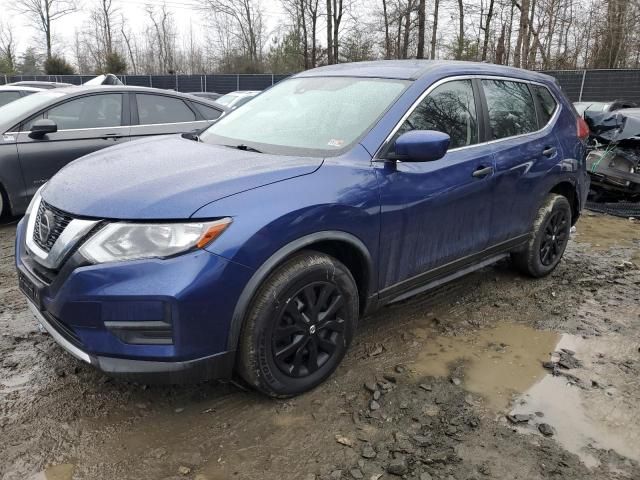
(613, 161)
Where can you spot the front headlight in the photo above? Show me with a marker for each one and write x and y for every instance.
(118, 242)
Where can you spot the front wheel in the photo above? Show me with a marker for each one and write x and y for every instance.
(299, 326)
(549, 238)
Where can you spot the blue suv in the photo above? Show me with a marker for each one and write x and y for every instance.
(256, 246)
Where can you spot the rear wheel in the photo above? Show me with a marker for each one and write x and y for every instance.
(549, 238)
(299, 326)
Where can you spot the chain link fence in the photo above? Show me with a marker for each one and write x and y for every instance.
(578, 85)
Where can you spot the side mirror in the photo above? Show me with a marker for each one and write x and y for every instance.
(42, 127)
(421, 146)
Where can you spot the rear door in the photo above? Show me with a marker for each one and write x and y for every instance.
(524, 146)
(156, 114)
(85, 124)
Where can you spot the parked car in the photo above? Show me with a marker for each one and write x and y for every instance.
(235, 99)
(208, 95)
(10, 93)
(259, 246)
(610, 106)
(41, 85)
(43, 132)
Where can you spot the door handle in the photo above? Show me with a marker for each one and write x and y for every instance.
(549, 151)
(482, 172)
(113, 136)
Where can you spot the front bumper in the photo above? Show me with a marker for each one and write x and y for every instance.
(88, 310)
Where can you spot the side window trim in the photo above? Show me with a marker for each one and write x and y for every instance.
(382, 150)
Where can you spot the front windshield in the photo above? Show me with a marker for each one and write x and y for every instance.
(315, 116)
(15, 111)
(226, 99)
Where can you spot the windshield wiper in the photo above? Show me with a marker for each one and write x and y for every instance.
(245, 148)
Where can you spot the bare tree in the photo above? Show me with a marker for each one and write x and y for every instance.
(422, 10)
(245, 19)
(460, 49)
(7, 47)
(487, 30)
(42, 14)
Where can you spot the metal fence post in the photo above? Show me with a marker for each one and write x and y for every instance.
(150, 81)
(237, 81)
(205, 83)
(584, 75)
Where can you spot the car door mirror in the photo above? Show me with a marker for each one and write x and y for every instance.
(42, 127)
(421, 146)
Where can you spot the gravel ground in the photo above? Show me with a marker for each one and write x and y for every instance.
(492, 376)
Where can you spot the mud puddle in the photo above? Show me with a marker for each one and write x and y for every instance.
(503, 365)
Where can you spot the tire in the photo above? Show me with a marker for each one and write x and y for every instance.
(288, 343)
(549, 238)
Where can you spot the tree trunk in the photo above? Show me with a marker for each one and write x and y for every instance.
(522, 33)
(434, 33)
(461, 31)
(329, 33)
(387, 38)
(487, 31)
(422, 6)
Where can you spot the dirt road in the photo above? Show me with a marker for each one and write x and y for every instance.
(447, 385)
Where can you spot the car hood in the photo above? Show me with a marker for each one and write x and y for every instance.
(164, 178)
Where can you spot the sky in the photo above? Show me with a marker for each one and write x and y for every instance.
(64, 29)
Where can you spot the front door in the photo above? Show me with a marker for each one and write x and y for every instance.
(435, 213)
(85, 124)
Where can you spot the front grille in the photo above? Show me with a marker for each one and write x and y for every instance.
(57, 222)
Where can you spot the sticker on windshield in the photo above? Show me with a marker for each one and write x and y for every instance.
(334, 142)
(8, 138)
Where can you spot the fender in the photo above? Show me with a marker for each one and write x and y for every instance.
(274, 260)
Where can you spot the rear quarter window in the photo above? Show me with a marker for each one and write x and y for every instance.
(548, 104)
(511, 108)
(207, 112)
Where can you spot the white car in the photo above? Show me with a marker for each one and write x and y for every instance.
(235, 99)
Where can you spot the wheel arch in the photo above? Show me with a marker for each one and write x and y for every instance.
(343, 246)
(569, 190)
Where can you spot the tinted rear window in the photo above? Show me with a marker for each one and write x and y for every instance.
(207, 112)
(154, 109)
(546, 101)
(511, 108)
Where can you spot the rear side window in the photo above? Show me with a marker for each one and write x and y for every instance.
(8, 97)
(154, 109)
(449, 108)
(209, 113)
(95, 111)
(546, 101)
(511, 108)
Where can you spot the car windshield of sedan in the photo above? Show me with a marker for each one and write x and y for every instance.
(314, 116)
(15, 111)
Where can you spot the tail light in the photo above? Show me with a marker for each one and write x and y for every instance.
(583, 129)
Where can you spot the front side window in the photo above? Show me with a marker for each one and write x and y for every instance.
(511, 108)
(546, 101)
(95, 111)
(155, 109)
(8, 97)
(449, 108)
(314, 116)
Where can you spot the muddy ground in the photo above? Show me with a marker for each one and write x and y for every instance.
(447, 385)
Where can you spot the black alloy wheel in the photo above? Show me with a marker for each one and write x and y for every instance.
(299, 325)
(556, 235)
(310, 329)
